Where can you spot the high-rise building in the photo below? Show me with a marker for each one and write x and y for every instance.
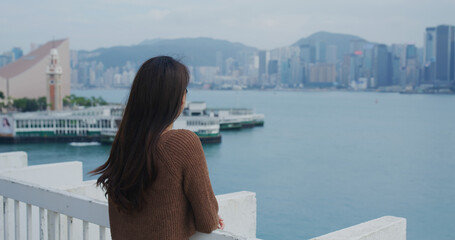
(273, 67)
(367, 61)
(322, 75)
(296, 71)
(321, 52)
(17, 53)
(285, 72)
(220, 62)
(345, 70)
(412, 66)
(381, 66)
(355, 66)
(262, 74)
(331, 54)
(307, 53)
(307, 57)
(396, 71)
(445, 55)
(230, 66)
(429, 73)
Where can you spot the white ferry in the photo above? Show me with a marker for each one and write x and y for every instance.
(83, 125)
(229, 118)
(207, 129)
(94, 124)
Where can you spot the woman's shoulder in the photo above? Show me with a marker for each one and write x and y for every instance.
(181, 148)
(180, 139)
(180, 135)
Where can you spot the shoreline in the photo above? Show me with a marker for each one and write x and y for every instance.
(290, 90)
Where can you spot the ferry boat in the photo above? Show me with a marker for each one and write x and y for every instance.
(207, 129)
(236, 118)
(82, 125)
(93, 124)
(229, 118)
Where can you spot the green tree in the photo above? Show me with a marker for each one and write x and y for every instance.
(101, 101)
(25, 104)
(41, 103)
(73, 100)
(67, 101)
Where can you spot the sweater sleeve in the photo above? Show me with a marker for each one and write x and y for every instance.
(198, 189)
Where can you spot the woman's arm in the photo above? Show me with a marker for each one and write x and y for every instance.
(198, 189)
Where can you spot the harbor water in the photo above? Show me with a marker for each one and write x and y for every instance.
(323, 161)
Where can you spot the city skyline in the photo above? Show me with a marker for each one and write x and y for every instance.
(265, 25)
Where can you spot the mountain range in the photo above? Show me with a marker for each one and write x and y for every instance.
(198, 51)
(341, 41)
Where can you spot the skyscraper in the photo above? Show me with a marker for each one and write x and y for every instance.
(381, 66)
(17, 53)
(331, 54)
(412, 67)
(262, 66)
(430, 45)
(444, 55)
(321, 52)
(307, 53)
(220, 62)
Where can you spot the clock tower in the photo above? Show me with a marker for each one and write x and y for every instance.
(54, 82)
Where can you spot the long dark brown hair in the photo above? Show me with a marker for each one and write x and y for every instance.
(153, 105)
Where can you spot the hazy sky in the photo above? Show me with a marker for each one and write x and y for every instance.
(266, 24)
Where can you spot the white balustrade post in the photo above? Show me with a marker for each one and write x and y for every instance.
(85, 230)
(29, 222)
(17, 222)
(5, 218)
(42, 223)
(102, 233)
(52, 225)
(70, 227)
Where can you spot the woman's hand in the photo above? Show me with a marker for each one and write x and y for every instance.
(220, 223)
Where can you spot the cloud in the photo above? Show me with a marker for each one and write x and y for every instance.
(261, 23)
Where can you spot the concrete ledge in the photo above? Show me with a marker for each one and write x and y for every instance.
(216, 235)
(13, 160)
(238, 211)
(88, 189)
(384, 228)
(58, 175)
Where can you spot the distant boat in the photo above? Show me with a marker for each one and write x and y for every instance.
(82, 125)
(206, 128)
(84, 144)
(229, 118)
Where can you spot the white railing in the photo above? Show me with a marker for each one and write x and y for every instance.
(57, 204)
(383, 228)
(54, 204)
(51, 201)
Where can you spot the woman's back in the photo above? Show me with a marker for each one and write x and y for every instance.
(180, 200)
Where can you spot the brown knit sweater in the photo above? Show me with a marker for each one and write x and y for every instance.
(179, 202)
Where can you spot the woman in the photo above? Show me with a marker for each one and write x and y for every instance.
(156, 179)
